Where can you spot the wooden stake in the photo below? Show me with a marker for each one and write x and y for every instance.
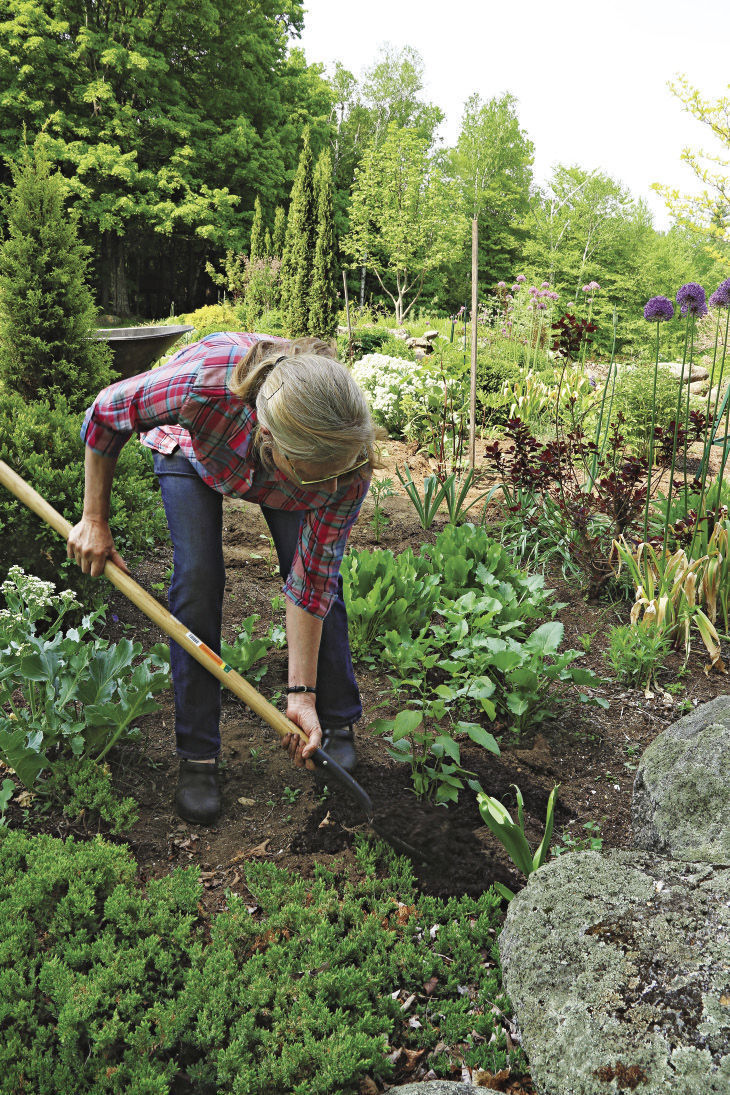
(347, 307)
(473, 371)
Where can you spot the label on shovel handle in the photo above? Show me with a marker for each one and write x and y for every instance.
(210, 653)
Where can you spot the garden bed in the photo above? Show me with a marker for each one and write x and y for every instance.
(276, 812)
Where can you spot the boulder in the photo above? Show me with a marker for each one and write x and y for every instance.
(430, 335)
(698, 387)
(681, 800)
(420, 344)
(618, 967)
(399, 332)
(438, 1087)
(691, 372)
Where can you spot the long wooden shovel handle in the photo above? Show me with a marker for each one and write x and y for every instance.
(159, 615)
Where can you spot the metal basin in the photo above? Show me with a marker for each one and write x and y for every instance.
(134, 349)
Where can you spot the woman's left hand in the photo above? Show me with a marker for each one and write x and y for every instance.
(302, 712)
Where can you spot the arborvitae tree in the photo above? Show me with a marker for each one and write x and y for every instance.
(47, 312)
(279, 232)
(257, 231)
(323, 294)
(268, 251)
(298, 257)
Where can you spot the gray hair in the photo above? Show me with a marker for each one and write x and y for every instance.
(312, 408)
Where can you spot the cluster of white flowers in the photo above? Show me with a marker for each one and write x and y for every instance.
(29, 599)
(391, 383)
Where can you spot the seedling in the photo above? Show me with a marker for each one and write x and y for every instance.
(291, 794)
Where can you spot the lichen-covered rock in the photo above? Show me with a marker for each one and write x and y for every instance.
(618, 968)
(437, 1087)
(681, 800)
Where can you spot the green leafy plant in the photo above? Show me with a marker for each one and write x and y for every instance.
(455, 494)
(636, 653)
(380, 489)
(386, 592)
(433, 495)
(591, 842)
(246, 650)
(512, 835)
(64, 694)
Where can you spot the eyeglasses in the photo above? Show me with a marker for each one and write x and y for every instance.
(327, 478)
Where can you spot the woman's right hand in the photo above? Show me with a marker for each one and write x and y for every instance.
(90, 544)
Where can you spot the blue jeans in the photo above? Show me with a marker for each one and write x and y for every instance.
(194, 514)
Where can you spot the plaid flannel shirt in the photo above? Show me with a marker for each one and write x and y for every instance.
(187, 404)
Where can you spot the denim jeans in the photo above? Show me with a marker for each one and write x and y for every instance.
(194, 514)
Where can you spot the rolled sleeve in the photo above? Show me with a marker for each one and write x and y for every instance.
(312, 583)
(136, 405)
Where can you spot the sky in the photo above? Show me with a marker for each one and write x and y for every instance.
(591, 80)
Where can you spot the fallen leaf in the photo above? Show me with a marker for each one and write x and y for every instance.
(725, 1001)
(24, 798)
(250, 853)
(407, 1003)
(494, 1081)
(405, 912)
(430, 985)
(325, 821)
(246, 801)
(413, 1022)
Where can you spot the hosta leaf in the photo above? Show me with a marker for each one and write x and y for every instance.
(480, 736)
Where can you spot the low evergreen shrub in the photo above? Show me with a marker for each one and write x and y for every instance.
(106, 988)
(42, 443)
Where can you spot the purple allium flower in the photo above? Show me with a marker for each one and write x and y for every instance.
(515, 288)
(545, 285)
(520, 278)
(691, 297)
(542, 304)
(553, 296)
(501, 284)
(721, 297)
(658, 308)
(504, 330)
(532, 290)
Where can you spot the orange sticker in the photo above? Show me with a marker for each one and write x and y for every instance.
(210, 653)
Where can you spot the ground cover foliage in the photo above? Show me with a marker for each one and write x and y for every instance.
(107, 988)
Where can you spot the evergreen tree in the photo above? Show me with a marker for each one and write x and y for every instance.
(268, 247)
(47, 312)
(298, 258)
(279, 231)
(257, 249)
(323, 294)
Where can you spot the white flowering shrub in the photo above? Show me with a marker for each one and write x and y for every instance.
(398, 391)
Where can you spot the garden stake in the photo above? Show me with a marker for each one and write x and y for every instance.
(203, 654)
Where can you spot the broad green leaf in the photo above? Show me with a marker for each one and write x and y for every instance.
(547, 638)
(406, 722)
(480, 736)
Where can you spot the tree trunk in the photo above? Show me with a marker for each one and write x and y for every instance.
(362, 288)
(115, 294)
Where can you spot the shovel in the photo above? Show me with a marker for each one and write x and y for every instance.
(202, 653)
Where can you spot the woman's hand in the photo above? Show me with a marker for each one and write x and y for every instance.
(301, 710)
(90, 544)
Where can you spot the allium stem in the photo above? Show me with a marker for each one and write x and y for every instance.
(710, 427)
(674, 442)
(651, 439)
(686, 417)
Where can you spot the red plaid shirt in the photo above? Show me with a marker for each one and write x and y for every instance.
(187, 404)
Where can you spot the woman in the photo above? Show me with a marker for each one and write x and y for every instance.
(278, 423)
